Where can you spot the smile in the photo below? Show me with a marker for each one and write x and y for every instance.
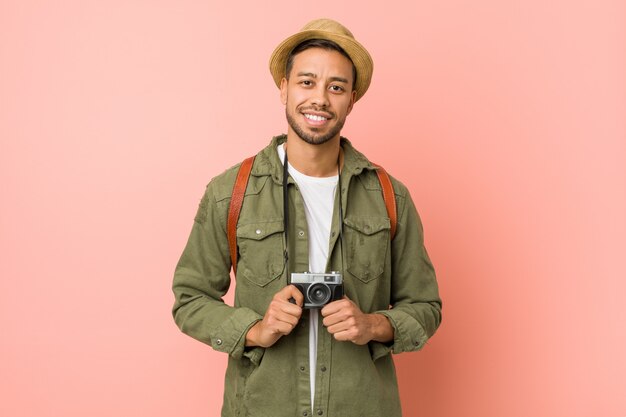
(315, 118)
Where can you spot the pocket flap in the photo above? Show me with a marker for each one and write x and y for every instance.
(368, 225)
(259, 231)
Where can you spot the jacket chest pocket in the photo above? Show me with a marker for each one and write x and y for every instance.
(367, 242)
(260, 246)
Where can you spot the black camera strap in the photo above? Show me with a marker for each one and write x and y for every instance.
(286, 215)
(286, 212)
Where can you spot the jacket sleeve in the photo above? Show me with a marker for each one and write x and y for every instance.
(415, 312)
(201, 279)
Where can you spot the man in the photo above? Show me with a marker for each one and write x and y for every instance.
(286, 360)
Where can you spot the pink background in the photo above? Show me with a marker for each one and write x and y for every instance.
(506, 119)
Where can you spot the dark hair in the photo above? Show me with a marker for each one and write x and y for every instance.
(318, 43)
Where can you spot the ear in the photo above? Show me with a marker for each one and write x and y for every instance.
(283, 91)
(352, 101)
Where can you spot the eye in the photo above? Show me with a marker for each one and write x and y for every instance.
(306, 83)
(337, 88)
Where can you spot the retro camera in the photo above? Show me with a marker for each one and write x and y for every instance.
(318, 289)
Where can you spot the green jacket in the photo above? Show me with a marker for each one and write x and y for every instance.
(394, 278)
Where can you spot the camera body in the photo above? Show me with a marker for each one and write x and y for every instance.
(318, 289)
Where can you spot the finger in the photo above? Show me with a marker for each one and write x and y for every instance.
(333, 319)
(333, 307)
(286, 318)
(282, 327)
(290, 313)
(279, 319)
(289, 308)
(346, 322)
(343, 336)
(283, 311)
(295, 293)
(337, 328)
(290, 291)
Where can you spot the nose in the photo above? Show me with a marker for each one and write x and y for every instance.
(320, 95)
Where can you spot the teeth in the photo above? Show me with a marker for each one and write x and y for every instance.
(314, 117)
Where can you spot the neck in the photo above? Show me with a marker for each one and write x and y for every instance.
(313, 160)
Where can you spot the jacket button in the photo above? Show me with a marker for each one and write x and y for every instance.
(218, 342)
(258, 231)
(323, 368)
(320, 412)
(304, 413)
(302, 368)
(301, 233)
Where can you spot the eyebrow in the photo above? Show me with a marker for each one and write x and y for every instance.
(312, 75)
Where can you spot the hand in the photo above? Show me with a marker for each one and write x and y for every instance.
(346, 322)
(280, 318)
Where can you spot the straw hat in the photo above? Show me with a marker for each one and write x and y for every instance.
(333, 31)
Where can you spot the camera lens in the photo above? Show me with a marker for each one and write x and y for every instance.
(319, 293)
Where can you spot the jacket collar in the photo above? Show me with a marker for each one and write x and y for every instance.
(268, 163)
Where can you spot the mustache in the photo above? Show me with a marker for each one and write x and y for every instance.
(327, 113)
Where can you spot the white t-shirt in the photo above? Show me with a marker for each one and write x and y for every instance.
(319, 197)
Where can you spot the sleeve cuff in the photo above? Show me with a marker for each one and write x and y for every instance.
(408, 334)
(230, 337)
(254, 354)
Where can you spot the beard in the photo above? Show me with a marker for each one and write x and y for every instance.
(314, 138)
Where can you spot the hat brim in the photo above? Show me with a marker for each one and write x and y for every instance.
(357, 53)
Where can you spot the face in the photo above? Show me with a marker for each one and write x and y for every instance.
(318, 95)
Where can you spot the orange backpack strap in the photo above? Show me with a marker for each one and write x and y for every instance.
(234, 208)
(389, 197)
